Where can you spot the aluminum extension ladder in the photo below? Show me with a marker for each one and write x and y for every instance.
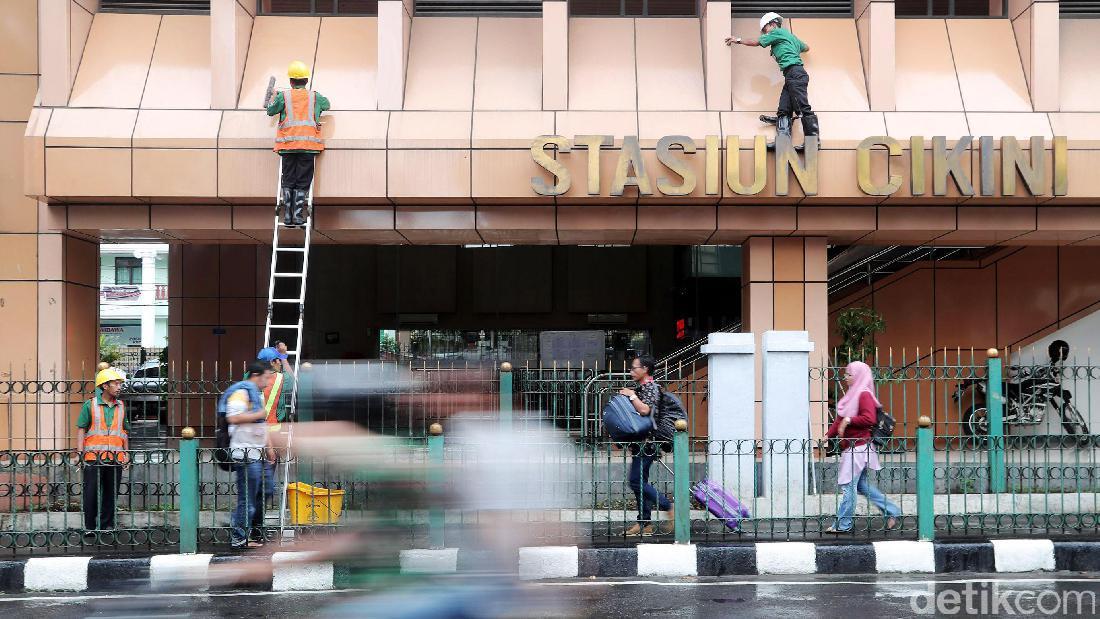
(286, 248)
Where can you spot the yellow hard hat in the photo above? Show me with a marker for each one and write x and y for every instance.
(106, 376)
(297, 70)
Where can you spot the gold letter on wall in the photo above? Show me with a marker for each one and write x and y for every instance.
(630, 157)
(863, 166)
(714, 158)
(916, 165)
(551, 165)
(786, 161)
(733, 165)
(676, 165)
(944, 163)
(1061, 163)
(1033, 173)
(593, 144)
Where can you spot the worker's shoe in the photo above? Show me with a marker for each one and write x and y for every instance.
(768, 120)
(782, 127)
(286, 202)
(300, 207)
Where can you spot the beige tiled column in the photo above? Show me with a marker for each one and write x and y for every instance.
(555, 55)
(717, 27)
(217, 300)
(784, 287)
(875, 27)
(1035, 23)
(394, 29)
(68, 23)
(230, 32)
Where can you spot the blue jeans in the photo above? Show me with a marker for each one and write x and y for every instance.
(644, 491)
(848, 502)
(250, 496)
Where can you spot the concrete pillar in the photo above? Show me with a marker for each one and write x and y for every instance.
(148, 297)
(63, 27)
(784, 287)
(394, 30)
(875, 27)
(717, 61)
(230, 34)
(731, 422)
(785, 425)
(555, 55)
(1035, 23)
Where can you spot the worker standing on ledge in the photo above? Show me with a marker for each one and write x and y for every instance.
(298, 140)
(787, 50)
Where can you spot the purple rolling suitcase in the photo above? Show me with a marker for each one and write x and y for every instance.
(720, 503)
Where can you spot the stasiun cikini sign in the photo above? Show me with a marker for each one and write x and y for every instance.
(673, 152)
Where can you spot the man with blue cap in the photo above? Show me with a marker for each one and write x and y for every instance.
(276, 401)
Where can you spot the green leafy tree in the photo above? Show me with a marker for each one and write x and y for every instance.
(109, 351)
(857, 327)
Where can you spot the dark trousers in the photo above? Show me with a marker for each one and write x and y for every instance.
(99, 495)
(298, 170)
(647, 495)
(794, 98)
(250, 499)
(258, 525)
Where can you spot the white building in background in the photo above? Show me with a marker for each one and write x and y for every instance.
(133, 294)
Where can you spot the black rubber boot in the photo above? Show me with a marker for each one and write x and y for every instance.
(768, 120)
(299, 207)
(809, 127)
(782, 127)
(287, 204)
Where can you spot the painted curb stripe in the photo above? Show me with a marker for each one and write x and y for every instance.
(192, 572)
(56, 574)
(1023, 555)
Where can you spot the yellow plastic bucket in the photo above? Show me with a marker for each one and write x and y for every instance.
(312, 505)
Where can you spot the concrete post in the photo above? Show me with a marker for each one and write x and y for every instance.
(786, 418)
(148, 296)
(731, 411)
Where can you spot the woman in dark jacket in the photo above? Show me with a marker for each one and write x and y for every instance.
(857, 414)
(646, 398)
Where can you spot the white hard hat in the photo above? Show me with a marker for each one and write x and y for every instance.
(769, 18)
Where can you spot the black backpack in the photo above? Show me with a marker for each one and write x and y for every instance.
(669, 411)
(884, 428)
(222, 456)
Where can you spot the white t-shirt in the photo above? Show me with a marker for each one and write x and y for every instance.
(246, 438)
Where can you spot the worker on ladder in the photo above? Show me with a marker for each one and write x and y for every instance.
(298, 140)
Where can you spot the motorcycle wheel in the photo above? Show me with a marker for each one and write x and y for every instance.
(1074, 423)
(975, 422)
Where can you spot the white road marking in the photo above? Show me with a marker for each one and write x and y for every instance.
(724, 583)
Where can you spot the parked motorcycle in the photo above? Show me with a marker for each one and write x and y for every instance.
(1028, 393)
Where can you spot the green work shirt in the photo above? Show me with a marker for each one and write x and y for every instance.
(785, 47)
(278, 106)
(85, 420)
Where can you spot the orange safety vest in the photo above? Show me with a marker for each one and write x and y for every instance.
(300, 129)
(106, 443)
(271, 398)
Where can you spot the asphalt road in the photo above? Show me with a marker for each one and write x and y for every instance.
(787, 598)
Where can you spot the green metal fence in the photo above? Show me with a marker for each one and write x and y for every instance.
(983, 447)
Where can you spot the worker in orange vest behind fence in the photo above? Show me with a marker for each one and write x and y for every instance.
(103, 437)
(298, 140)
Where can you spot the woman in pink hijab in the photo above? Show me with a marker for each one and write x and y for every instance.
(856, 415)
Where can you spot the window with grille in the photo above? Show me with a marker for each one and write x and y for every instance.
(507, 8)
(182, 7)
(318, 7)
(633, 8)
(794, 8)
(127, 271)
(950, 8)
(1079, 8)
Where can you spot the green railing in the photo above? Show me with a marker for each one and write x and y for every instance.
(953, 466)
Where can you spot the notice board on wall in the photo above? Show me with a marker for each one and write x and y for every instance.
(572, 348)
